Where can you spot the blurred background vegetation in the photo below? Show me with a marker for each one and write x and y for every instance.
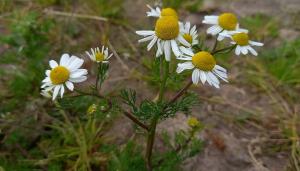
(36, 134)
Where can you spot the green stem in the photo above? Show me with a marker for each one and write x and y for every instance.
(98, 77)
(151, 134)
(215, 45)
(227, 49)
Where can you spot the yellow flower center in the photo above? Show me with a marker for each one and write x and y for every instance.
(99, 56)
(188, 38)
(167, 28)
(204, 61)
(167, 12)
(228, 21)
(241, 39)
(59, 75)
(193, 122)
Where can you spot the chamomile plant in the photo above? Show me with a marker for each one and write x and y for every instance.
(173, 40)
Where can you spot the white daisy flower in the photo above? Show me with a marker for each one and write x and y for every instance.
(243, 44)
(99, 56)
(189, 33)
(224, 23)
(157, 12)
(63, 74)
(204, 66)
(166, 35)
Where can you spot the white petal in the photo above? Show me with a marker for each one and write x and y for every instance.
(210, 20)
(53, 64)
(159, 48)
(153, 41)
(186, 65)
(48, 73)
(202, 77)
(55, 92)
(62, 90)
(238, 50)
(187, 51)
(49, 88)
(167, 50)
(64, 60)
(175, 48)
(183, 41)
(195, 76)
(214, 79)
(70, 85)
(78, 80)
(185, 58)
(245, 50)
(255, 43)
(146, 39)
(187, 27)
(221, 75)
(47, 84)
(220, 37)
(78, 73)
(219, 68)
(75, 64)
(214, 30)
(47, 79)
(193, 29)
(145, 32)
(252, 51)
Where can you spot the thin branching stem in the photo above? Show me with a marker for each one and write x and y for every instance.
(98, 77)
(153, 124)
(135, 120)
(181, 92)
(224, 50)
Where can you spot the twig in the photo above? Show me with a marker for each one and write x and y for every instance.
(67, 14)
(135, 120)
(181, 92)
(257, 164)
(230, 48)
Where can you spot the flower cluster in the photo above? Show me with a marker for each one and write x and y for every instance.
(171, 35)
(68, 71)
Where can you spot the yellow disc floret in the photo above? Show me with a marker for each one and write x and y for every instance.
(204, 61)
(99, 56)
(228, 21)
(167, 28)
(165, 12)
(188, 38)
(59, 75)
(241, 39)
(193, 122)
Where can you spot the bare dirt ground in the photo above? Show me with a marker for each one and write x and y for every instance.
(229, 146)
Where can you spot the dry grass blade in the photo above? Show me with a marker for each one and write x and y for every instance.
(67, 14)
